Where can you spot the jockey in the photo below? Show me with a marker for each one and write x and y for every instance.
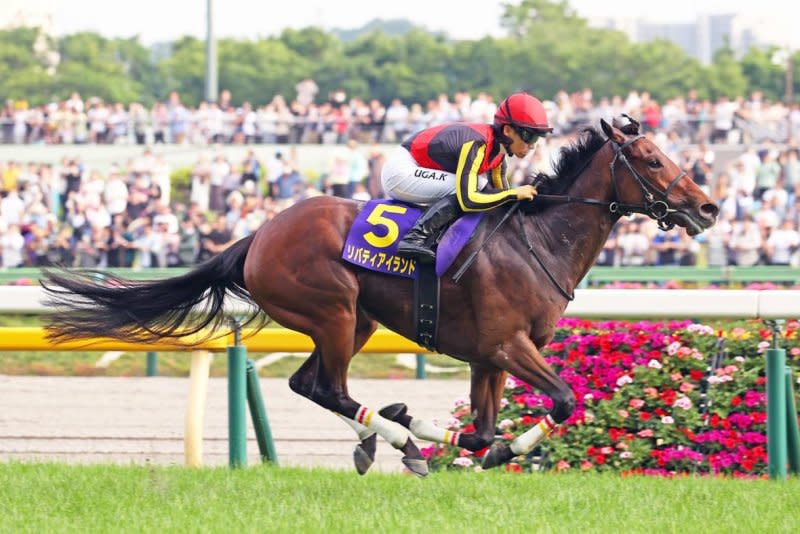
(458, 167)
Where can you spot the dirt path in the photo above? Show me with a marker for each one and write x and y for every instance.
(141, 420)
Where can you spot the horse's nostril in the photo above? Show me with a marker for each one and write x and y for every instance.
(709, 210)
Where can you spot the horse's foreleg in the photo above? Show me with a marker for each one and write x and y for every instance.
(486, 393)
(521, 358)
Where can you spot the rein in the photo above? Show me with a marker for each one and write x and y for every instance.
(655, 209)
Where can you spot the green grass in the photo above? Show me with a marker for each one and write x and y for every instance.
(59, 498)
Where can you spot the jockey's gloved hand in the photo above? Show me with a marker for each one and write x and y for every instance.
(526, 192)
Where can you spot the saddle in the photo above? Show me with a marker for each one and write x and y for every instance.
(372, 244)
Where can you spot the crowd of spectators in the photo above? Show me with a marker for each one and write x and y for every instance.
(134, 216)
(337, 117)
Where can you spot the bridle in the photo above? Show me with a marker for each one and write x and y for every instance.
(657, 210)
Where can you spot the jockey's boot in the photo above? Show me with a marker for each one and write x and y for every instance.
(416, 244)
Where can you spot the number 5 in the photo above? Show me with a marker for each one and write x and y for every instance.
(377, 218)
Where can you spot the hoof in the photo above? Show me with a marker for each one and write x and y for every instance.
(499, 454)
(416, 466)
(364, 454)
(413, 459)
(362, 460)
(394, 411)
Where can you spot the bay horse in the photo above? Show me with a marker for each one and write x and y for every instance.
(497, 317)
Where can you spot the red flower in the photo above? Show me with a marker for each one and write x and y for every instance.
(668, 396)
(527, 420)
(615, 433)
(644, 416)
(696, 375)
(513, 468)
(736, 401)
(599, 459)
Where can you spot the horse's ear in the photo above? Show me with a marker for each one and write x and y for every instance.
(612, 133)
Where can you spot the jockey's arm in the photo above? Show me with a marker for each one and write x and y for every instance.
(469, 198)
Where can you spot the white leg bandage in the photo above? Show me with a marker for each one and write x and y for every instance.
(362, 431)
(388, 430)
(530, 439)
(428, 431)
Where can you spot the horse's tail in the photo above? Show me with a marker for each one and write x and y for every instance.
(92, 303)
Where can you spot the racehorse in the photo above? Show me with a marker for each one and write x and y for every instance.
(497, 317)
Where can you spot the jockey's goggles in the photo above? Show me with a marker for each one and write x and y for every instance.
(528, 135)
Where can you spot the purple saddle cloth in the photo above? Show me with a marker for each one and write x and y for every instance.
(372, 240)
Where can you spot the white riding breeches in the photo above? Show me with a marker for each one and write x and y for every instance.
(404, 179)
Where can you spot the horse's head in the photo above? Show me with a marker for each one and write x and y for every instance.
(646, 181)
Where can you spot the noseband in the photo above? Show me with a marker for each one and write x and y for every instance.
(655, 209)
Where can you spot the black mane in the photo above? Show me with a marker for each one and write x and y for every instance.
(573, 158)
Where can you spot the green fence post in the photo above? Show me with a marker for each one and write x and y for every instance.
(266, 447)
(237, 408)
(793, 431)
(152, 364)
(421, 372)
(776, 413)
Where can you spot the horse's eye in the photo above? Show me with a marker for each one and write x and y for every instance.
(654, 164)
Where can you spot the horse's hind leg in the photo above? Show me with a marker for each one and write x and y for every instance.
(336, 339)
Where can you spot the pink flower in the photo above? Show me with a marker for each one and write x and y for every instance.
(676, 377)
(624, 379)
(623, 413)
(762, 346)
(636, 403)
(645, 433)
(683, 402)
(625, 454)
(606, 450)
(672, 350)
(586, 465)
(686, 387)
(462, 461)
(563, 465)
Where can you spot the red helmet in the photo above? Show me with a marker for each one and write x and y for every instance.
(523, 111)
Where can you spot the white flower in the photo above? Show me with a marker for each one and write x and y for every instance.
(672, 350)
(505, 424)
(713, 379)
(667, 420)
(461, 402)
(503, 402)
(624, 379)
(510, 383)
(654, 364)
(588, 397)
(462, 461)
(683, 402)
(625, 454)
(762, 346)
(739, 359)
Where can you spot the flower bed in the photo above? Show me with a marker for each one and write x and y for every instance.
(640, 404)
